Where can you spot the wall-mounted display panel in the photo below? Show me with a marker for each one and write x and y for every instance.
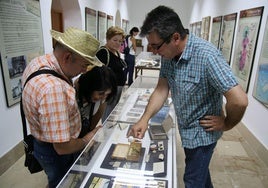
(110, 21)
(125, 24)
(246, 40)
(260, 91)
(205, 27)
(216, 30)
(198, 26)
(21, 40)
(91, 21)
(102, 27)
(227, 36)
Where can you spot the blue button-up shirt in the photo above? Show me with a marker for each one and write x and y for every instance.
(197, 82)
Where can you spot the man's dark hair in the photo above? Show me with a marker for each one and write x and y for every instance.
(164, 21)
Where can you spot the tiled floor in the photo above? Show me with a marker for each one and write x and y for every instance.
(234, 165)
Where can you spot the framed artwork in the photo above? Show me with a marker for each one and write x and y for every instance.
(125, 24)
(198, 28)
(227, 36)
(205, 27)
(191, 27)
(102, 27)
(91, 21)
(216, 30)
(260, 91)
(246, 40)
(21, 41)
(110, 21)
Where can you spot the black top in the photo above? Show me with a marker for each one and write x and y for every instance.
(115, 63)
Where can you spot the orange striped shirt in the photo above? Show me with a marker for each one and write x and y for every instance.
(49, 103)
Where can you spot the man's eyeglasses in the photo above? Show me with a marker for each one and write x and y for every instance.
(157, 47)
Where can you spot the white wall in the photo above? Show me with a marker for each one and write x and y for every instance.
(255, 118)
(135, 11)
(10, 126)
(10, 121)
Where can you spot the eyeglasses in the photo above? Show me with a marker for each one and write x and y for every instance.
(157, 47)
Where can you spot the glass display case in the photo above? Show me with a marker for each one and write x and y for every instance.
(147, 61)
(113, 160)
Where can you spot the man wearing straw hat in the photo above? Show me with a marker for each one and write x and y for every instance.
(50, 105)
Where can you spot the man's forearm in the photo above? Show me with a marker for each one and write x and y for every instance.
(233, 116)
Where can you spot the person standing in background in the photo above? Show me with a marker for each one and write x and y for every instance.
(110, 56)
(50, 104)
(130, 58)
(93, 89)
(198, 76)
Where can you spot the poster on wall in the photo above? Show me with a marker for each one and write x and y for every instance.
(205, 27)
(246, 40)
(227, 35)
(21, 40)
(125, 24)
(216, 30)
(110, 21)
(198, 28)
(102, 27)
(91, 21)
(192, 28)
(260, 91)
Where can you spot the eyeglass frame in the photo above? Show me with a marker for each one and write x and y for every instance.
(159, 46)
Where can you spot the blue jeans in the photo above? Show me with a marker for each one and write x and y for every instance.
(197, 161)
(130, 60)
(54, 165)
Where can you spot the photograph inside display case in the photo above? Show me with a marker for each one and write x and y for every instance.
(104, 181)
(88, 153)
(115, 159)
(73, 179)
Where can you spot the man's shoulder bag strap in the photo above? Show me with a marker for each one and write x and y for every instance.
(42, 71)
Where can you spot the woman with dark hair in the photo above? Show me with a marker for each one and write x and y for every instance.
(94, 88)
(110, 56)
(130, 57)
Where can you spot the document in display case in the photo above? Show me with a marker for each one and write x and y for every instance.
(113, 160)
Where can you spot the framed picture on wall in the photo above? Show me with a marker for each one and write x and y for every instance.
(21, 40)
(216, 30)
(110, 21)
(227, 35)
(260, 91)
(125, 25)
(246, 40)
(91, 21)
(198, 26)
(102, 27)
(205, 27)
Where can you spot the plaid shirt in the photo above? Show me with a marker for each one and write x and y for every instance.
(197, 82)
(49, 103)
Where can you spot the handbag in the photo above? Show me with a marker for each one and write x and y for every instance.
(30, 161)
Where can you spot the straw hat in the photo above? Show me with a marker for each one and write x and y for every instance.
(80, 42)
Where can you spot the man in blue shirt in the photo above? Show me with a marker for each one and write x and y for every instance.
(198, 77)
